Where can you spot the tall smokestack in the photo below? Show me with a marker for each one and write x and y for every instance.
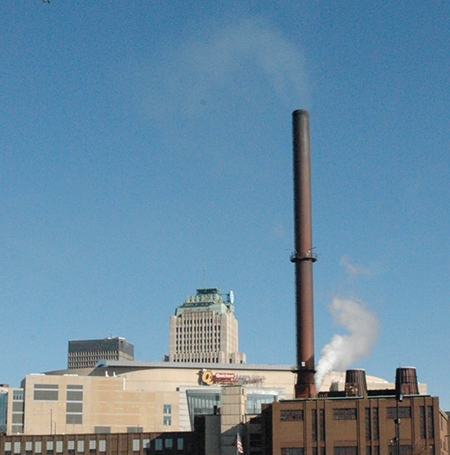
(303, 257)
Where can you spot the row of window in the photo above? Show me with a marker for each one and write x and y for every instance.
(199, 360)
(50, 447)
(92, 353)
(207, 329)
(197, 322)
(350, 413)
(338, 414)
(351, 450)
(372, 425)
(196, 349)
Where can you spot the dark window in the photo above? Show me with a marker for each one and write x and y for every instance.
(74, 395)
(17, 406)
(346, 450)
(314, 424)
(45, 392)
(17, 418)
(74, 407)
(404, 412)
(404, 450)
(292, 451)
(74, 418)
(376, 426)
(296, 414)
(367, 424)
(322, 427)
(344, 414)
(423, 433)
(430, 422)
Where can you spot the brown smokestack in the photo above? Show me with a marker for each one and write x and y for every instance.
(355, 383)
(303, 257)
(406, 381)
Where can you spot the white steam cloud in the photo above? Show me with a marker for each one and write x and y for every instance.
(343, 350)
(216, 66)
(354, 269)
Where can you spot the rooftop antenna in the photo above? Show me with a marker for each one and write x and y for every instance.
(204, 274)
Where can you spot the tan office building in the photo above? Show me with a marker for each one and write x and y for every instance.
(204, 329)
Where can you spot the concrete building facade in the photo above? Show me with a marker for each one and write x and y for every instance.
(86, 353)
(204, 329)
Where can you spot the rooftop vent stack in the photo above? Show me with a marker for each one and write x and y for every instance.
(303, 257)
(355, 383)
(406, 381)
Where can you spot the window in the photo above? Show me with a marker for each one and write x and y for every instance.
(74, 404)
(74, 419)
(314, 424)
(45, 392)
(346, 450)
(136, 445)
(295, 414)
(344, 414)
(404, 450)
(49, 447)
(59, 446)
(167, 409)
(158, 444)
(368, 425)
(92, 445)
(322, 427)
(167, 420)
(38, 447)
(102, 445)
(376, 427)
(430, 422)
(80, 446)
(292, 451)
(404, 412)
(102, 429)
(17, 447)
(180, 444)
(168, 443)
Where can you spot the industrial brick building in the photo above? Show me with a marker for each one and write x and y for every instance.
(359, 421)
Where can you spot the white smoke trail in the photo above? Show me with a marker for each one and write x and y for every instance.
(343, 350)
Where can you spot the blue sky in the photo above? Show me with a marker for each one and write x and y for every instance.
(145, 151)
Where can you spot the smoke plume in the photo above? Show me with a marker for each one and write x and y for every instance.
(343, 350)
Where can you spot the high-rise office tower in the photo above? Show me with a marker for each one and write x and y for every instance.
(204, 329)
(86, 353)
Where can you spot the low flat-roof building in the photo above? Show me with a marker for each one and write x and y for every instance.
(86, 353)
(125, 396)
